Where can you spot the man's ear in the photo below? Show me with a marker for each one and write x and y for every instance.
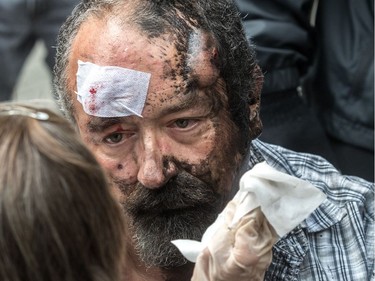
(255, 125)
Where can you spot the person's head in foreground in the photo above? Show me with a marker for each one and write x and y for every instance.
(58, 220)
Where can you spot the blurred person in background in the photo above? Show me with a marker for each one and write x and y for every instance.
(318, 60)
(22, 24)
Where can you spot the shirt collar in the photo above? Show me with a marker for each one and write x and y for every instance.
(325, 216)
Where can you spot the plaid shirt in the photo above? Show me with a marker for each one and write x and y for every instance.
(336, 242)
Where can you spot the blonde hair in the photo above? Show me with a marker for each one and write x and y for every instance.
(58, 220)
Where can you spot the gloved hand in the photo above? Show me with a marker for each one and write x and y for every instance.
(243, 252)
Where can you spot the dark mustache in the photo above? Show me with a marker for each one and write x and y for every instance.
(180, 192)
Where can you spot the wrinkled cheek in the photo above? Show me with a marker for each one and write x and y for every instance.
(116, 171)
(222, 172)
(225, 158)
(119, 192)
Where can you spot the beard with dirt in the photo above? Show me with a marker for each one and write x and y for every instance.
(181, 209)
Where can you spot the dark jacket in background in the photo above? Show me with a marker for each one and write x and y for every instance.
(318, 60)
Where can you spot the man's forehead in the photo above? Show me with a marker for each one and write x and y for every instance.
(103, 39)
(116, 34)
(105, 43)
(184, 61)
(112, 43)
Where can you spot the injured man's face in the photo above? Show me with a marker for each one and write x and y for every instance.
(170, 147)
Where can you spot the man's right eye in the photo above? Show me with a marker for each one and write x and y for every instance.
(114, 138)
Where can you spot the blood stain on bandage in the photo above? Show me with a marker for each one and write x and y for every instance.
(92, 101)
(93, 91)
(92, 107)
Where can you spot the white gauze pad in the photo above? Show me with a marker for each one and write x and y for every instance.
(111, 91)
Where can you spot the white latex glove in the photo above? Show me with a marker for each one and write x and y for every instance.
(243, 252)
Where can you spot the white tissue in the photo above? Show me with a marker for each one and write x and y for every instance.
(285, 201)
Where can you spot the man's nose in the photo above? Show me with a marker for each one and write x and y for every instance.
(154, 172)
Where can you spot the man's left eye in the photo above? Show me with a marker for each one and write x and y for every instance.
(183, 123)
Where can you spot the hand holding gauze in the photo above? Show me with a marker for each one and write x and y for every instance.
(238, 245)
(243, 252)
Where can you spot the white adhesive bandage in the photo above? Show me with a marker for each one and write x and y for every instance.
(111, 91)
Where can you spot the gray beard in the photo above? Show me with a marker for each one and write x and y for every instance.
(153, 236)
(182, 209)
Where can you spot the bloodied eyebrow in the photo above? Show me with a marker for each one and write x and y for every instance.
(99, 124)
